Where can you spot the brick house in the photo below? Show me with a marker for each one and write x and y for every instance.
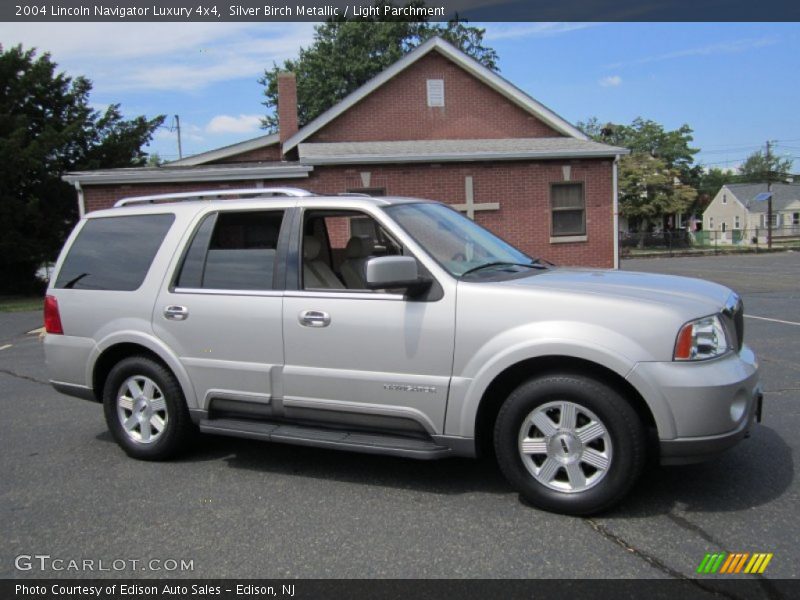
(436, 124)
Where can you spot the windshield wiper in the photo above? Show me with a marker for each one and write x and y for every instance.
(531, 265)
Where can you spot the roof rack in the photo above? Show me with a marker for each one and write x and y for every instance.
(266, 192)
(359, 194)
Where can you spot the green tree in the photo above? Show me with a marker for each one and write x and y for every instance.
(46, 128)
(710, 181)
(644, 136)
(346, 53)
(650, 189)
(757, 168)
(658, 177)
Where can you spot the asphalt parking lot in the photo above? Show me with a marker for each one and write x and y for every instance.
(240, 508)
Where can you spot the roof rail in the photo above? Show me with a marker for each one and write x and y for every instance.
(266, 192)
(360, 194)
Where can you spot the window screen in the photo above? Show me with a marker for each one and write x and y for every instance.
(435, 88)
(233, 251)
(114, 253)
(568, 209)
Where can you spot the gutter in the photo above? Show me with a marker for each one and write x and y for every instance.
(187, 175)
(81, 199)
(615, 209)
(454, 157)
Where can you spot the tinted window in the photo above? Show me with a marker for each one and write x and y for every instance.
(113, 253)
(233, 251)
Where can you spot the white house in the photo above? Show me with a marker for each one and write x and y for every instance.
(736, 216)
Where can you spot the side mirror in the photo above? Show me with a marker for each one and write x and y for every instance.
(386, 272)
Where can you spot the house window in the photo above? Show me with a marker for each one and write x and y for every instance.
(796, 218)
(435, 92)
(568, 209)
(774, 220)
(736, 222)
(724, 227)
(724, 198)
(711, 222)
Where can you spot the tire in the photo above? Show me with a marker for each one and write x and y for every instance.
(145, 409)
(584, 445)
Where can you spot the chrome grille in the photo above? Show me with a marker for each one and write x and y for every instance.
(738, 322)
(734, 313)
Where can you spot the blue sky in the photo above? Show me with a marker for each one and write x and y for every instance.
(735, 84)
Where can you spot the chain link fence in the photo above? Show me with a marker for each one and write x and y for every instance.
(682, 240)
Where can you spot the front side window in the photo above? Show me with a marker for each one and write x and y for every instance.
(568, 208)
(336, 248)
(114, 253)
(454, 241)
(233, 251)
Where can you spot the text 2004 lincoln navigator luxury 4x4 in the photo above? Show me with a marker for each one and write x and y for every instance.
(391, 326)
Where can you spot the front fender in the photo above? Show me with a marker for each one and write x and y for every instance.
(592, 343)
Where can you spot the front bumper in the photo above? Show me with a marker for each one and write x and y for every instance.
(683, 451)
(701, 408)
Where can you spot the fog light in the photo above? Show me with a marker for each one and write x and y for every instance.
(738, 406)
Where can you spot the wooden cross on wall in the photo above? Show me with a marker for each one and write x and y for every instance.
(470, 207)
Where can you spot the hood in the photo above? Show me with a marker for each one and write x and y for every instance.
(693, 297)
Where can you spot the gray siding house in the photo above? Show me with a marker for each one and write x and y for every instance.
(734, 216)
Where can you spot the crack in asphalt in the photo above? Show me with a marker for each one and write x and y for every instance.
(25, 377)
(766, 585)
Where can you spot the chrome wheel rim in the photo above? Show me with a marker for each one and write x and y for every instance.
(142, 409)
(565, 446)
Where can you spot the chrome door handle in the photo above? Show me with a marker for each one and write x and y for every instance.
(314, 318)
(176, 313)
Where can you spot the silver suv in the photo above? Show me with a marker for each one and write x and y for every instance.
(391, 326)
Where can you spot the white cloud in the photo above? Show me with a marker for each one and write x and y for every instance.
(162, 56)
(731, 47)
(522, 30)
(611, 81)
(229, 124)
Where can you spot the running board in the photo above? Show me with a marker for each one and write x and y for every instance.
(355, 441)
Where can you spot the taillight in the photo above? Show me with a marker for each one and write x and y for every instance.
(52, 318)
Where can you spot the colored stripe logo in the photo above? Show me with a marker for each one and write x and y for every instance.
(732, 563)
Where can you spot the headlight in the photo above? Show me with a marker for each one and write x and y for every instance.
(701, 339)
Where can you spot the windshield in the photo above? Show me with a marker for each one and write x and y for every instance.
(457, 243)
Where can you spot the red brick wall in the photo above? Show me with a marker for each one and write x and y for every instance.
(266, 154)
(522, 189)
(398, 110)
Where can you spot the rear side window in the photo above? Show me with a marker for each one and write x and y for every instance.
(233, 251)
(114, 253)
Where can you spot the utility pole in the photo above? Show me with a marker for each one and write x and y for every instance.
(180, 148)
(769, 198)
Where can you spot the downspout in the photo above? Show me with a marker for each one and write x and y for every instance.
(615, 209)
(81, 203)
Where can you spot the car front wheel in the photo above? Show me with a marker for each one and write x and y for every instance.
(569, 443)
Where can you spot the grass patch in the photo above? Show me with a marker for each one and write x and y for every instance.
(20, 303)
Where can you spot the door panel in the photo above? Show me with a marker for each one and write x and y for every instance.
(229, 344)
(379, 354)
(223, 318)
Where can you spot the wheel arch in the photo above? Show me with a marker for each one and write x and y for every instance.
(514, 375)
(112, 350)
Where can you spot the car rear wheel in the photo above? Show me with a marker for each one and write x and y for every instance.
(569, 443)
(145, 409)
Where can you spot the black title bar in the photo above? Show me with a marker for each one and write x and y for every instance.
(434, 10)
